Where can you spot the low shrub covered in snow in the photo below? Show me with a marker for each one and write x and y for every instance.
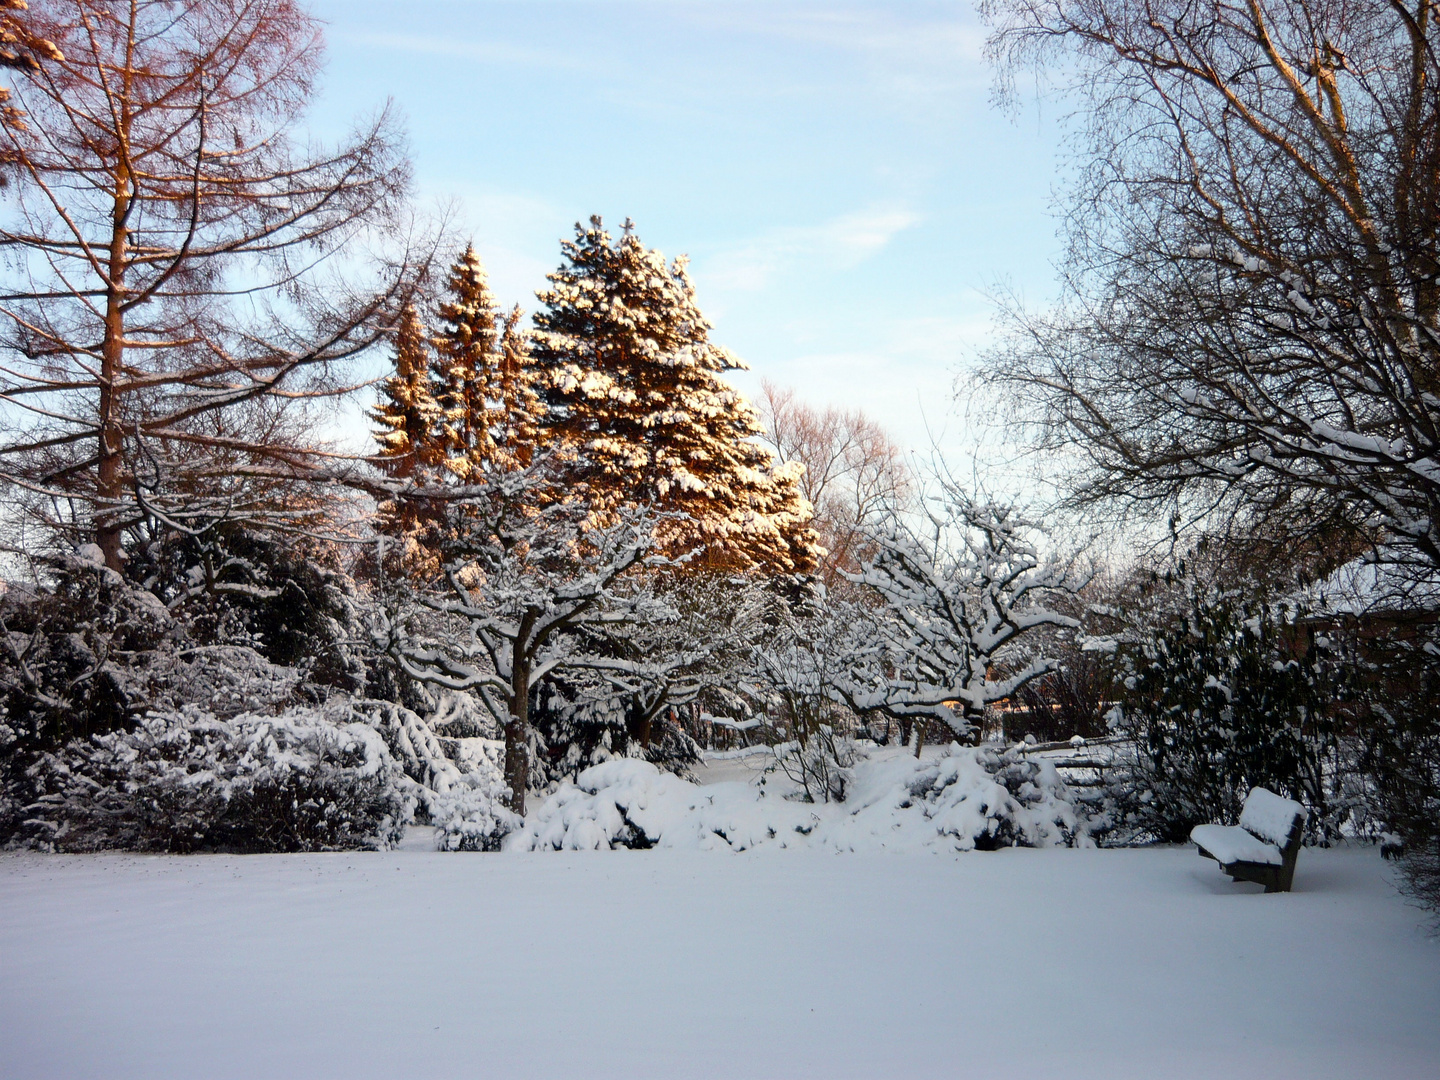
(966, 799)
(458, 783)
(308, 779)
(823, 766)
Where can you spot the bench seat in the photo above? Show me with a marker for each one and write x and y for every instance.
(1230, 843)
(1263, 847)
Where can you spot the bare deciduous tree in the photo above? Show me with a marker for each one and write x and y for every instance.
(20, 47)
(180, 266)
(1254, 274)
(855, 474)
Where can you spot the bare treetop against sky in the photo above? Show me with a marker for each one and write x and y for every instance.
(836, 172)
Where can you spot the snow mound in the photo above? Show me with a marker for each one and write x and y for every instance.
(967, 799)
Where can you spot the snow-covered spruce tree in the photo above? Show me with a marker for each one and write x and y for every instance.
(489, 410)
(961, 604)
(1233, 694)
(407, 416)
(633, 385)
(291, 599)
(533, 583)
(408, 429)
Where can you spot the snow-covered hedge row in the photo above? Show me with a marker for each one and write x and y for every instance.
(307, 779)
(967, 799)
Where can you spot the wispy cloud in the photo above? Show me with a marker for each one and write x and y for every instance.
(488, 50)
(841, 243)
(906, 49)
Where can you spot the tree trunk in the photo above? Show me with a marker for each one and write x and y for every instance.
(517, 737)
(109, 473)
(110, 479)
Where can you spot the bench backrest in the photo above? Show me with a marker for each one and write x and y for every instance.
(1272, 817)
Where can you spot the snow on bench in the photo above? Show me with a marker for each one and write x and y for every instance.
(1231, 844)
(1263, 847)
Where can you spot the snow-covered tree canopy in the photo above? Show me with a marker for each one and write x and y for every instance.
(534, 583)
(961, 602)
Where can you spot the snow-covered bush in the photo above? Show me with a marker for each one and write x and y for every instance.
(1231, 696)
(989, 800)
(1399, 688)
(458, 784)
(290, 600)
(305, 780)
(967, 799)
(823, 766)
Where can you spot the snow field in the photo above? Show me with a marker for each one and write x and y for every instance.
(677, 964)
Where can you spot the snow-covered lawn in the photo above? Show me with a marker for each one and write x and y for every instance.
(1054, 963)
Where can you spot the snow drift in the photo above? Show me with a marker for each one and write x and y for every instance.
(967, 799)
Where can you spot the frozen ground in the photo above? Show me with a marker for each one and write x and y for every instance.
(669, 964)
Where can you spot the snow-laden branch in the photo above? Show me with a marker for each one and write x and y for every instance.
(534, 587)
(960, 604)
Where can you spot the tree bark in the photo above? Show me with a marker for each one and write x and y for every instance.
(109, 472)
(517, 736)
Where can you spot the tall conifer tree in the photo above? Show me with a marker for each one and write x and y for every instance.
(407, 415)
(633, 384)
(489, 410)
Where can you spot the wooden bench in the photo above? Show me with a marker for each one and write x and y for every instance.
(1263, 847)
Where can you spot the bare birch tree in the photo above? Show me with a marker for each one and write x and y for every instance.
(1251, 326)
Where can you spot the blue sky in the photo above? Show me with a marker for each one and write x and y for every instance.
(837, 174)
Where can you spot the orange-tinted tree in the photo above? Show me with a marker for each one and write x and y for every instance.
(173, 260)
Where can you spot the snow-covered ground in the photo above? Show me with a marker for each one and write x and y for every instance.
(1048, 963)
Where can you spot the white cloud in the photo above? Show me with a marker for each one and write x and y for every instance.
(912, 52)
(488, 50)
(841, 243)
